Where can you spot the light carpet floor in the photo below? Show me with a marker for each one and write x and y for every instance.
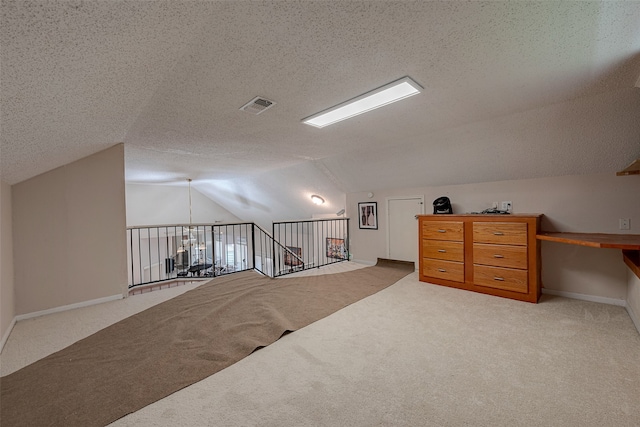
(413, 354)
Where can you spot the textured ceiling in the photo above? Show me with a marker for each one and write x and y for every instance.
(512, 90)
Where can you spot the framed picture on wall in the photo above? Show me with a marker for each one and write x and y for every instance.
(293, 256)
(335, 248)
(368, 215)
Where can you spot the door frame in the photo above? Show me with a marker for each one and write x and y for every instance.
(388, 200)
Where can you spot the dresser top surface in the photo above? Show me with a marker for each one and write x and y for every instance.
(480, 216)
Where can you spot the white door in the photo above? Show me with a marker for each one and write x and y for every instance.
(403, 227)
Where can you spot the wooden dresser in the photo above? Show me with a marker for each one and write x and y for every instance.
(493, 254)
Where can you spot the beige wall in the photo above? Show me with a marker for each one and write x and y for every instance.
(69, 233)
(164, 204)
(6, 260)
(585, 203)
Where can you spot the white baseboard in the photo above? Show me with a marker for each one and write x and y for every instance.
(584, 297)
(68, 307)
(5, 337)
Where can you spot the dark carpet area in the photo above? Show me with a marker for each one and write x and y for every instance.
(165, 348)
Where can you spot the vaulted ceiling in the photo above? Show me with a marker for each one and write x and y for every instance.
(512, 90)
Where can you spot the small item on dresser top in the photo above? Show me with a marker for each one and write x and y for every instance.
(492, 211)
(442, 205)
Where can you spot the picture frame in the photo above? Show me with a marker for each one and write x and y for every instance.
(292, 260)
(368, 215)
(335, 248)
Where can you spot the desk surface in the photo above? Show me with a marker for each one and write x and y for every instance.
(629, 243)
(595, 240)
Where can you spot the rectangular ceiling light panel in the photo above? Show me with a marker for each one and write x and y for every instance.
(387, 94)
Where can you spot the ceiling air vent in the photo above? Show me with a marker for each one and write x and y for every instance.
(257, 105)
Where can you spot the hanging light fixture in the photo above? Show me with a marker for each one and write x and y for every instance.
(198, 247)
(190, 222)
(187, 250)
(317, 199)
(189, 230)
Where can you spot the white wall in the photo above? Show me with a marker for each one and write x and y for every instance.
(169, 204)
(585, 203)
(278, 195)
(6, 261)
(69, 234)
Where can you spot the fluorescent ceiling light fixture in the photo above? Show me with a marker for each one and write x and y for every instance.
(387, 94)
(317, 199)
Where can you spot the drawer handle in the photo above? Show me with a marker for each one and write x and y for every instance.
(442, 231)
(442, 251)
(498, 233)
(442, 270)
(498, 256)
(499, 279)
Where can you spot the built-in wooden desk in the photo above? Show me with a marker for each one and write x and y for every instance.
(629, 243)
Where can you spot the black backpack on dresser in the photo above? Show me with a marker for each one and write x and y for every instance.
(442, 205)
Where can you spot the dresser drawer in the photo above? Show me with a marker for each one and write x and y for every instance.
(500, 255)
(447, 270)
(441, 249)
(443, 230)
(501, 278)
(501, 233)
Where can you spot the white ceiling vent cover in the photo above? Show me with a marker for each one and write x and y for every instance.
(257, 105)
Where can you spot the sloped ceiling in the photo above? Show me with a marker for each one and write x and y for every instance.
(511, 90)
